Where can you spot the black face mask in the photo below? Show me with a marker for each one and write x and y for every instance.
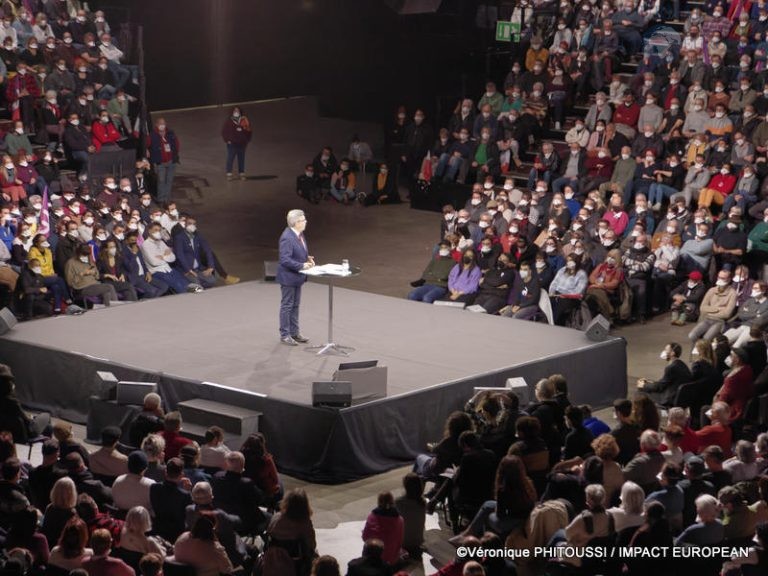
(467, 259)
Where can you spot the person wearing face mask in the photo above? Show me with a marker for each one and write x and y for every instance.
(164, 155)
(626, 115)
(487, 254)
(137, 271)
(104, 133)
(686, 299)
(495, 285)
(463, 117)
(453, 163)
(738, 386)
(324, 166)
(745, 192)
(546, 166)
(343, 183)
(236, 133)
(604, 284)
(41, 252)
(159, 259)
(82, 277)
(66, 247)
(194, 256)
(433, 283)
(718, 188)
(492, 98)
(567, 290)
(730, 241)
(418, 138)
(752, 314)
(638, 264)
(114, 56)
(600, 110)
(664, 270)
(572, 168)
(695, 124)
(696, 179)
(384, 189)
(464, 279)
(742, 97)
(523, 300)
(486, 120)
(28, 176)
(664, 390)
(622, 177)
(12, 187)
(669, 179)
(113, 271)
(17, 140)
(77, 142)
(34, 296)
(484, 159)
(719, 125)
(21, 91)
(717, 306)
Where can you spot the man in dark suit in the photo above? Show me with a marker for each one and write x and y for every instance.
(194, 256)
(137, 272)
(294, 257)
(239, 495)
(169, 501)
(676, 373)
(627, 435)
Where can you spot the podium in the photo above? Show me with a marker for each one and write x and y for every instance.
(331, 272)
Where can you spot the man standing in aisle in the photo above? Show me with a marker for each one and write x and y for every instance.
(294, 257)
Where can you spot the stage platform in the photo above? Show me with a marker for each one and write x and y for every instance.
(223, 345)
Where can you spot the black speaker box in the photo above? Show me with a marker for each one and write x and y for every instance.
(597, 330)
(332, 394)
(7, 320)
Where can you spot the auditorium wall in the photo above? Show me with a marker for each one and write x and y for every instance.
(359, 58)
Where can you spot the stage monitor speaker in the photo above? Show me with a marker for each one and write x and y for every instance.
(133, 392)
(597, 330)
(520, 387)
(367, 383)
(105, 385)
(270, 270)
(7, 320)
(334, 394)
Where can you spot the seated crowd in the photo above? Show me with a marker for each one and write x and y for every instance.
(105, 245)
(655, 201)
(550, 474)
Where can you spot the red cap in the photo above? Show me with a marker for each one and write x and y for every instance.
(695, 275)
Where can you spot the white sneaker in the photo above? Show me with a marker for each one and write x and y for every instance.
(557, 125)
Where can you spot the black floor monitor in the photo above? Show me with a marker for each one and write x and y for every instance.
(356, 365)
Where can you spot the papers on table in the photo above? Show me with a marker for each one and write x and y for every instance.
(327, 270)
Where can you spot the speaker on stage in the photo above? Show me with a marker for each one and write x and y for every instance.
(332, 394)
(105, 385)
(133, 392)
(368, 381)
(7, 320)
(597, 330)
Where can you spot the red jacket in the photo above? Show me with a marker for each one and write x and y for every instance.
(723, 184)
(737, 389)
(627, 115)
(19, 83)
(387, 526)
(716, 434)
(174, 442)
(103, 134)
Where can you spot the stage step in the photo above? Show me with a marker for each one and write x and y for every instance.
(235, 420)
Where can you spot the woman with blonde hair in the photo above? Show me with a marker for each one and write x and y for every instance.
(60, 510)
(133, 537)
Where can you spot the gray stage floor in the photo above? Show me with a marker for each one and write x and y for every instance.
(229, 336)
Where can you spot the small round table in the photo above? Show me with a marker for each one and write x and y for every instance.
(331, 347)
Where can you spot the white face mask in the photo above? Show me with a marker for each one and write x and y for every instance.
(476, 201)
(721, 283)
(729, 362)
(664, 355)
(524, 274)
(444, 252)
(84, 259)
(156, 235)
(757, 293)
(483, 224)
